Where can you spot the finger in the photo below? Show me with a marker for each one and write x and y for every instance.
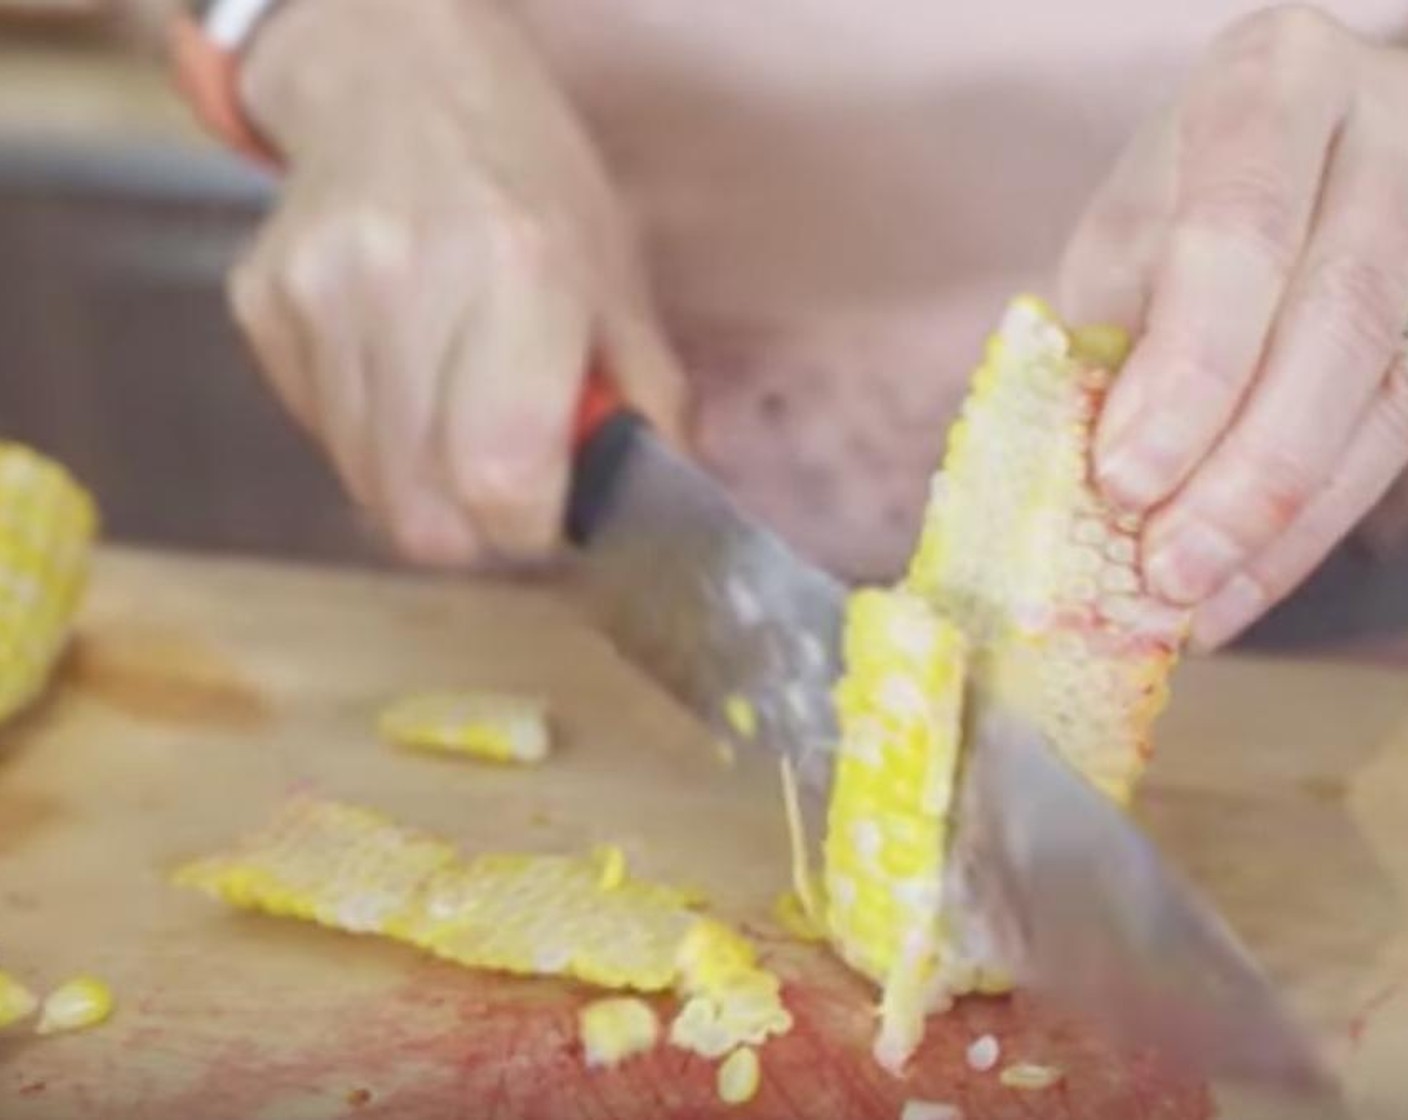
(1254, 137)
(268, 325)
(406, 356)
(509, 401)
(320, 282)
(645, 368)
(1336, 332)
(1107, 267)
(1376, 457)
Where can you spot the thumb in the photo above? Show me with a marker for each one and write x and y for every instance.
(646, 370)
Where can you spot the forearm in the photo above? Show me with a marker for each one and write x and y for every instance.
(317, 62)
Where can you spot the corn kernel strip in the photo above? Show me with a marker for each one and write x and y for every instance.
(47, 525)
(495, 726)
(583, 917)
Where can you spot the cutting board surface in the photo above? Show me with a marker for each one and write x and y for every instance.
(201, 692)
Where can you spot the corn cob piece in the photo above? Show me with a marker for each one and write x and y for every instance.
(1026, 584)
(900, 709)
(16, 1001)
(494, 726)
(582, 917)
(47, 525)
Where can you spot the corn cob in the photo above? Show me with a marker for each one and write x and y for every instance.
(583, 917)
(494, 726)
(47, 524)
(1040, 573)
(1026, 584)
(899, 708)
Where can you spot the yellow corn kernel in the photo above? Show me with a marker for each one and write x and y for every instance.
(1030, 1077)
(741, 716)
(615, 1029)
(16, 1001)
(47, 525)
(81, 1002)
(494, 726)
(793, 916)
(739, 1076)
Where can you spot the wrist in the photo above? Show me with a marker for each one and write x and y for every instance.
(317, 62)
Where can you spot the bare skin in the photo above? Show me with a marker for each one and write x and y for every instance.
(454, 246)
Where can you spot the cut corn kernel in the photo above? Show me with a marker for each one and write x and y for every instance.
(47, 525)
(494, 726)
(1026, 583)
(611, 866)
(84, 1001)
(983, 1053)
(1030, 1077)
(616, 1029)
(356, 871)
(16, 1001)
(792, 915)
(915, 1109)
(741, 716)
(739, 1076)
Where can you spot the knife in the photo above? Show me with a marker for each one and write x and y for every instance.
(715, 607)
(1082, 905)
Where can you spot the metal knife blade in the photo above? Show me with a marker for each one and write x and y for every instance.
(713, 605)
(1083, 904)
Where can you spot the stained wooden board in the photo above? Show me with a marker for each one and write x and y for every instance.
(201, 692)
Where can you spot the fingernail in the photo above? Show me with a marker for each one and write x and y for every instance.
(1229, 612)
(1194, 562)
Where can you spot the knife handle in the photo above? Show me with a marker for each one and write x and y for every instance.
(601, 438)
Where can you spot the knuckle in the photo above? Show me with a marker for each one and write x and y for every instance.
(1283, 39)
(1359, 302)
(1249, 209)
(1278, 484)
(523, 241)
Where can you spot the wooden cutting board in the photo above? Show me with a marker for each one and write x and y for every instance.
(200, 692)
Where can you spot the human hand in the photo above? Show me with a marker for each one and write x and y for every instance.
(446, 260)
(1255, 238)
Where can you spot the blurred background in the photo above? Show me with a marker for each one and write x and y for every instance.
(118, 220)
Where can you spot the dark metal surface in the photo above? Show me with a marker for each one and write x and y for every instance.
(715, 607)
(1085, 906)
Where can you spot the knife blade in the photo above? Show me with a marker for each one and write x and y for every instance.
(716, 606)
(1089, 914)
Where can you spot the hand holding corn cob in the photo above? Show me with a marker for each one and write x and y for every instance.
(1258, 234)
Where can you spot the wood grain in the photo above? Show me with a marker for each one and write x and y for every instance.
(200, 692)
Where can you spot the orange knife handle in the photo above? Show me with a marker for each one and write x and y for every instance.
(600, 402)
(605, 429)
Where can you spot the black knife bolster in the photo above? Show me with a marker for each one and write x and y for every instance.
(597, 472)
